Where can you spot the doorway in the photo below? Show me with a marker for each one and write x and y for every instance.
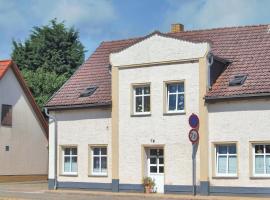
(155, 167)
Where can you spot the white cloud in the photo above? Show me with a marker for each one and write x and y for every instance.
(217, 13)
(84, 11)
(17, 17)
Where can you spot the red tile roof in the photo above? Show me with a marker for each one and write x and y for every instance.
(4, 65)
(247, 48)
(9, 64)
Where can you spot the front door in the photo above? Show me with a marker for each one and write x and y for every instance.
(156, 168)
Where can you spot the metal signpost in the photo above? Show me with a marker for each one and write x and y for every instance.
(194, 139)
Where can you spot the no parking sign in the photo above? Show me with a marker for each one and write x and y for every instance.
(193, 134)
(193, 137)
(193, 120)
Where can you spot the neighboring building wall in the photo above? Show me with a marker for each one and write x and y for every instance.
(168, 130)
(242, 121)
(81, 128)
(28, 153)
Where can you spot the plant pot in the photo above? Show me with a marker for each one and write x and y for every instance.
(148, 189)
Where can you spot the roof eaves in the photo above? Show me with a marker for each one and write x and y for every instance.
(77, 106)
(210, 99)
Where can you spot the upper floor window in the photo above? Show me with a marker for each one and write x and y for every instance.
(141, 99)
(226, 160)
(261, 159)
(70, 164)
(6, 116)
(175, 97)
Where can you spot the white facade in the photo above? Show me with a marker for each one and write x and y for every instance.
(243, 122)
(156, 62)
(82, 129)
(168, 130)
(26, 139)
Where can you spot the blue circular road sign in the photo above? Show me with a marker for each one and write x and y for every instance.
(193, 120)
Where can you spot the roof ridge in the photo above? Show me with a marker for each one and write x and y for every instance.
(226, 27)
(186, 31)
(123, 40)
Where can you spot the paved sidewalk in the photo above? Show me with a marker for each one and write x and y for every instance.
(38, 191)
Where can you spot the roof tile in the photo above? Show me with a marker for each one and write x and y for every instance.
(247, 48)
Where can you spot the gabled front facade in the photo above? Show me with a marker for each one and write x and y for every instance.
(156, 83)
(23, 129)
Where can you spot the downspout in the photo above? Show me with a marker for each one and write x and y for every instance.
(210, 61)
(55, 146)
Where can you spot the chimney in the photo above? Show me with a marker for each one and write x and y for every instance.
(175, 28)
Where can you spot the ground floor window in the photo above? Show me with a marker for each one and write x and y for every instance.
(70, 164)
(261, 159)
(226, 159)
(99, 161)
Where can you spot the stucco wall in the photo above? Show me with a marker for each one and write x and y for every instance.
(244, 122)
(168, 130)
(82, 127)
(28, 152)
(158, 48)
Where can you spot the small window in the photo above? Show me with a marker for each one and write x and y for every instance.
(237, 80)
(175, 97)
(88, 91)
(7, 148)
(70, 157)
(226, 160)
(6, 117)
(99, 161)
(141, 99)
(261, 159)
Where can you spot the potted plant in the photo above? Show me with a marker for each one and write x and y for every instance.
(149, 184)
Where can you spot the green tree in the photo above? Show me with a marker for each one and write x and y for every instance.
(48, 58)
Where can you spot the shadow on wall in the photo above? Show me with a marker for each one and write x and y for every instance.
(240, 105)
(83, 114)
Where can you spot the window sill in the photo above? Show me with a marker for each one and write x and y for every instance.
(98, 175)
(259, 177)
(6, 126)
(69, 175)
(224, 177)
(141, 115)
(175, 113)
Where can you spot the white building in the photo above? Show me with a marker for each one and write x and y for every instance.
(23, 129)
(124, 114)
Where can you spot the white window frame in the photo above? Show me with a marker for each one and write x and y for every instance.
(141, 95)
(174, 93)
(227, 174)
(264, 154)
(70, 163)
(100, 173)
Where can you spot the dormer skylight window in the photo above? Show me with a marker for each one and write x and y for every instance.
(238, 80)
(88, 91)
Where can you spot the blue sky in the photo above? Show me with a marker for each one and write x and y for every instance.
(101, 20)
